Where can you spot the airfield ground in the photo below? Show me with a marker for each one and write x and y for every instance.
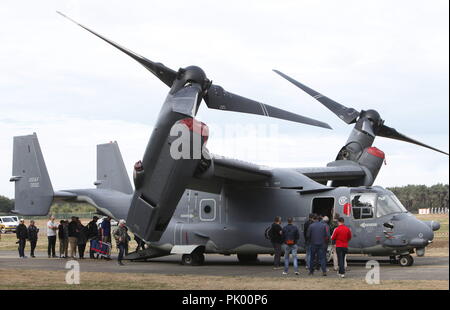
(219, 272)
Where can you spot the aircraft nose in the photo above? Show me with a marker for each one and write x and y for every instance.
(424, 235)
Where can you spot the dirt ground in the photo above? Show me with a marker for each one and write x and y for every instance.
(50, 279)
(18, 279)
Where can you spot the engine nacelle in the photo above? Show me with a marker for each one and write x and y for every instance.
(371, 159)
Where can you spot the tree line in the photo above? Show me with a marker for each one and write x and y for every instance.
(413, 197)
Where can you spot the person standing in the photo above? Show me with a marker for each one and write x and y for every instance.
(318, 235)
(276, 238)
(290, 237)
(342, 235)
(33, 232)
(82, 238)
(307, 243)
(73, 236)
(22, 235)
(51, 236)
(93, 234)
(106, 229)
(63, 236)
(121, 236)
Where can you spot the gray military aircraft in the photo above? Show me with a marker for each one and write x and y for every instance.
(203, 203)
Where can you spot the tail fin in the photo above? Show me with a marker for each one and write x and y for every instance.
(111, 172)
(33, 189)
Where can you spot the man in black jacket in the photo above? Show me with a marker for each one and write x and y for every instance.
(33, 232)
(276, 237)
(73, 237)
(290, 237)
(22, 235)
(92, 234)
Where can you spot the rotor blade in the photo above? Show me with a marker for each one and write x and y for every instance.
(348, 115)
(389, 132)
(218, 98)
(165, 74)
(367, 127)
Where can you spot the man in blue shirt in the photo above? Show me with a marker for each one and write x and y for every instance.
(290, 237)
(106, 230)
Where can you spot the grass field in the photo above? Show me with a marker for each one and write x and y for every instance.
(17, 279)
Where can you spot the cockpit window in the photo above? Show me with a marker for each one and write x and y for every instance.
(363, 205)
(387, 204)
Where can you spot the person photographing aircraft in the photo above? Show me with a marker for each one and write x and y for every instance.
(342, 235)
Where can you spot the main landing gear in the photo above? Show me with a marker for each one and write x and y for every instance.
(193, 259)
(402, 260)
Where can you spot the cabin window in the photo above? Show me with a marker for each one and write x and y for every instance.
(388, 204)
(363, 205)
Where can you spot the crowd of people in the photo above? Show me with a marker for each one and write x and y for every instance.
(73, 237)
(318, 235)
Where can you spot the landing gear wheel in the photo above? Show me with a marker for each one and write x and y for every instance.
(247, 258)
(194, 259)
(406, 260)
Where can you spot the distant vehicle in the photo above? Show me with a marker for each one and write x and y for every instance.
(8, 224)
(113, 222)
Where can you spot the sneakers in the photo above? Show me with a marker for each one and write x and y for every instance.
(297, 273)
(277, 268)
(324, 274)
(284, 273)
(342, 276)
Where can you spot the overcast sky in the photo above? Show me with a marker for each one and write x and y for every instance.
(75, 91)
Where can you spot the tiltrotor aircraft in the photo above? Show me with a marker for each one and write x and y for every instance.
(202, 203)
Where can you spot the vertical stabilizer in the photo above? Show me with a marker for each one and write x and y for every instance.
(33, 189)
(111, 172)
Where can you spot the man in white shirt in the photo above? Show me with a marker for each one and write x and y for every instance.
(51, 235)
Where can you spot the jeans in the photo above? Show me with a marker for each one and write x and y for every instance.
(51, 246)
(81, 248)
(63, 247)
(341, 253)
(33, 246)
(22, 243)
(122, 249)
(335, 259)
(319, 251)
(308, 255)
(290, 249)
(277, 254)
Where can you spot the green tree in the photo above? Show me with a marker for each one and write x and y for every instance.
(6, 204)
